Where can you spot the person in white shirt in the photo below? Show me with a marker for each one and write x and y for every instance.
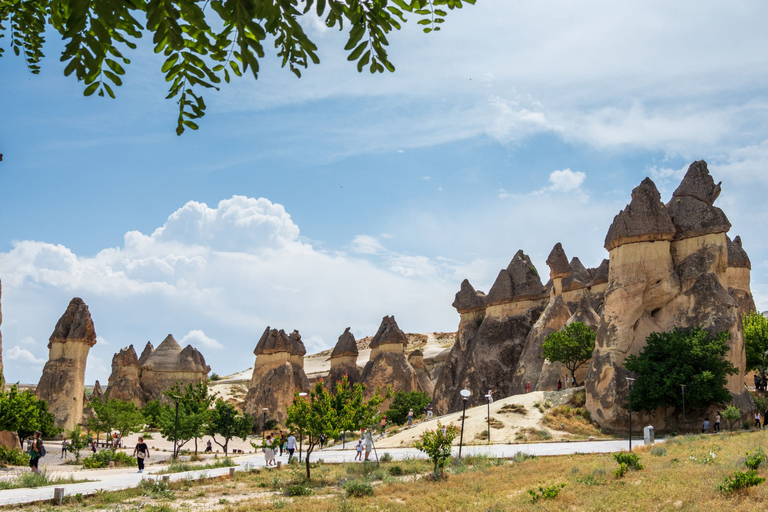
(290, 444)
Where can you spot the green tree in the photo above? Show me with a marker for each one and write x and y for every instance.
(116, 415)
(193, 404)
(681, 356)
(226, 421)
(437, 445)
(572, 346)
(731, 414)
(151, 412)
(23, 413)
(756, 342)
(325, 413)
(203, 42)
(77, 441)
(404, 401)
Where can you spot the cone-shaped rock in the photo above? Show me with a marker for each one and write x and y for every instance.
(585, 314)
(62, 384)
(737, 256)
(124, 382)
(297, 346)
(467, 298)
(273, 341)
(698, 183)
(344, 360)
(167, 365)
(691, 207)
(98, 393)
(738, 272)
(346, 346)
(518, 281)
(645, 219)
(388, 364)
(601, 274)
(558, 262)
(148, 349)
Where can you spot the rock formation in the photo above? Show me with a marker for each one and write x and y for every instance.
(669, 267)
(97, 393)
(739, 268)
(416, 360)
(62, 384)
(124, 381)
(344, 360)
(9, 440)
(387, 364)
(492, 333)
(165, 366)
(277, 373)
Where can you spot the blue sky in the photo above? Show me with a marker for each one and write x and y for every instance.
(336, 199)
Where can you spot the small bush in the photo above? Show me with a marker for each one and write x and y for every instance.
(155, 489)
(590, 480)
(659, 451)
(13, 457)
(358, 488)
(754, 458)
(547, 493)
(104, 457)
(630, 459)
(386, 457)
(298, 490)
(513, 409)
(739, 481)
(522, 457)
(619, 473)
(214, 377)
(396, 471)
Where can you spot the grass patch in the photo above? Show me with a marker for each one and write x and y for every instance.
(181, 467)
(532, 434)
(358, 488)
(513, 409)
(41, 479)
(575, 420)
(13, 457)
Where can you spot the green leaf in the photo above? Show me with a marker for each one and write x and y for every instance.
(91, 89)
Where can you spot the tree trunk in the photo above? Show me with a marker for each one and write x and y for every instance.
(306, 459)
(195, 446)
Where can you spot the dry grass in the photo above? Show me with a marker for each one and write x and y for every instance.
(513, 409)
(671, 482)
(532, 434)
(575, 420)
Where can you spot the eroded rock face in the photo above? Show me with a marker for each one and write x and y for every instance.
(124, 381)
(62, 384)
(168, 365)
(277, 373)
(9, 440)
(98, 393)
(660, 279)
(388, 364)
(416, 360)
(344, 360)
(739, 269)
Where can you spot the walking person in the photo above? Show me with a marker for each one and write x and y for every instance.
(281, 446)
(528, 388)
(429, 411)
(559, 384)
(717, 421)
(410, 417)
(141, 452)
(36, 451)
(359, 449)
(758, 419)
(290, 445)
(268, 453)
(368, 444)
(64, 449)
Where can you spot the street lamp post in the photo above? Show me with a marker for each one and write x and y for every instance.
(682, 386)
(488, 396)
(264, 424)
(301, 432)
(631, 381)
(465, 394)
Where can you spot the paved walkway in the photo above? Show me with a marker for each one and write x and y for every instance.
(119, 479)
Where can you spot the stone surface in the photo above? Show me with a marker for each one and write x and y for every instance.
(692, 217)
(276, 375)
(645, 219)
(9, 440)
(388, 334)
(346, 346)
(558, 262)
(601, 274)
(518, 281)
(657, 284)
(416, 360)
(344, 360)
(62, 384)
(585, 314)
(148, 349)
(467, 298)
(124, 381)
(167, 365)
(737, 256)
(97, 393)
(388, 364)
(738, 273)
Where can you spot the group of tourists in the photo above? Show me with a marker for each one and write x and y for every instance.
(760, 383)
(278, 443)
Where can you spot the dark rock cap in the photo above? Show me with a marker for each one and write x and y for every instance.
(698, 183)
(645, 219)
(520, 280)
(124, 358)
(585, 314)
(191, 360)
(467, 298)
(272, 342)
(558, 262)
(388, 333)
(693, 217)
(415, 354)
(601, 274)
(74, 324)
(346, 346)
(297, 346)
(148, 349)
(578, 271)
(737, 256)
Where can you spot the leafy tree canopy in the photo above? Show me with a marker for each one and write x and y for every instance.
(226, 421)
(23, 413)
(402, 402)
(682, 356)
(756, 342)
(151, 412)
(202, 42)
(572, 346)
(118, 415)
(194, 403)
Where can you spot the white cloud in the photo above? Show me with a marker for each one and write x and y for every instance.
(16, 353)
(29, 340)
(566, 180)
(197, 338)
(364, 244)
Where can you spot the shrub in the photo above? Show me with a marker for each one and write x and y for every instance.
(547, 493)
(298, 490)
(731, 414)
(754, 458)
(659, 451)
(13, 457)
(630, 459)
(104, 457)
(522, 457)
(396, 471)
(386, 457)
(214, 377)
(619, 473)
(358, 488)
(437, 445)
(575, 420)
(513, 409)
(739, 481)
(155, 489)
